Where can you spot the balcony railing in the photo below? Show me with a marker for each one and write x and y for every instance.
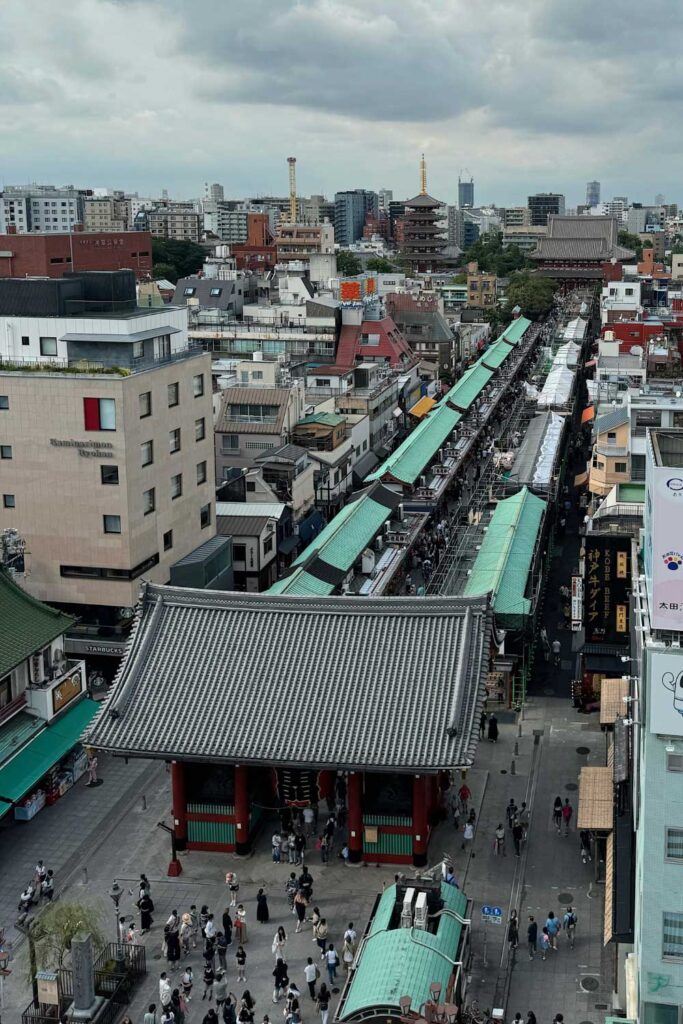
(11, 709)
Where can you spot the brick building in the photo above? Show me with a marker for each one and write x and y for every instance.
(53, 255)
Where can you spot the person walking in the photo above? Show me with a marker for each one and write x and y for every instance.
(230, 1009)
(279, 943)
(351, 936)
(517, 836)
(280, 979)
(585, 839)
(262, 912)
(513, 930)
(523, 817)
(165, 990)
(530, 1017)
(493, 728)
(151, 1014)
(311, 974)
(195, 925)
(291, 887)
(499, 841)
(320, 934)
(347, 956)
(464, 796)
(324, 847)
(241, 961)
(208, 979)
(557, 651)
(222, 950)
(240, 923)
(275, 842)
(332, 963)
(553, 924)
(145, 906)
(569, 925)
(187, 981)
(567, 812)
(309, 819)
(173, 945)
(233, 887)
(468, 837)
(511, 812)
(482, 724)
(185, 933)
(210, 1017)
(300, 904)
(300, 842)
(557, 814)
(178, 1007)
(291, 848)
(545, 941)
(532, 936)
(323, 1003)
(227, 926)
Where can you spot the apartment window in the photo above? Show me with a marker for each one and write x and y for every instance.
(251, 486)
(109, 474)
(189, 292)
(268, 545)
(145, 400)
(148, 501)
(173, 394)
(215, 292)
(674, 844)
(628, 291)
(25, 340)
(205, 516)
(168, 540)
(200, 429)
(611, 437)
(231, 442)
(320, 383)
(176, 486)
(674, 762)
(138, 349)
(660, 1013)
(201, 473)
(620, 467)
(8, 501)
(5, 451)
(257, 375)
(239, 552)
(99, 413)
(147, 453)
(672, 937)
(112, 524)
(174, 440)
(198, 385)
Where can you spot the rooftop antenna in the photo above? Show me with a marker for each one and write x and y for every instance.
(423, 176)
(291, 160)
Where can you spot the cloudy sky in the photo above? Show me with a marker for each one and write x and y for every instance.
(527, 95)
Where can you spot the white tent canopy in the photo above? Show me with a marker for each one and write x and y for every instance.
(557, 388)
(575, 330)
(567, 354)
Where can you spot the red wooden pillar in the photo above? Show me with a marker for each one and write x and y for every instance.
(355, 798)
(242, 843)
(179, 815)
(420, 820)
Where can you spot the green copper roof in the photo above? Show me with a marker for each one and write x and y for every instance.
(466, 390)
(330, 419)
(517, 329)
(503, 563)
(26, 624)
(496, 355)
(302, 584)
(404, 961)
(346, 536)
(419, 448)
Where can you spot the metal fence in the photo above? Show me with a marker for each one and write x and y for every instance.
(118, 971)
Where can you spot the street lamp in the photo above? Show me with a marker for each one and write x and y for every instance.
(115, 894)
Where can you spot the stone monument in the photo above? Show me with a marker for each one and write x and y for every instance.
(86, 1005)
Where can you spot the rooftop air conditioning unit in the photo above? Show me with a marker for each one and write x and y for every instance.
(407, 909)
(421, 911)
(400, 513)
(379, 543)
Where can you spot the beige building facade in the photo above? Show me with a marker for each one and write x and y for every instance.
(108, 477)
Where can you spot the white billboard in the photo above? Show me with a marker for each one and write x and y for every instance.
(664, 538)
(665, 692)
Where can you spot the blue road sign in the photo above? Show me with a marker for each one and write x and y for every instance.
(494, 915)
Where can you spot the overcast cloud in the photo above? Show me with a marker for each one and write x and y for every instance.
(528, 95)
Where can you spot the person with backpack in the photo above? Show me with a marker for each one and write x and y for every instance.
(569, 925)
(567, 812)
(323, 1003)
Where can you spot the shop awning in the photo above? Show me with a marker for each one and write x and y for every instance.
(21, 774)
(580, 479)
(588, 414)
(612, 706)
(422, 407)
(609, 888)
(596, 799)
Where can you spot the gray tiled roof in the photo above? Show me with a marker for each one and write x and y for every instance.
(615, 418)
(252, 396)
(384, 683)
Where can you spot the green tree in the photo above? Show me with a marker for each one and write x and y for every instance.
(164, 270)
(459, 279)
(380, 265)
(54, 930)
(348, 265)
(493, 257)
(630, 241)
(531, 292)
(186, 257)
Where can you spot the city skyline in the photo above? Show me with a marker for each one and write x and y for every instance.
(535, 98)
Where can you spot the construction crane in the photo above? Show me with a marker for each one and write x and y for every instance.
(291, 160)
